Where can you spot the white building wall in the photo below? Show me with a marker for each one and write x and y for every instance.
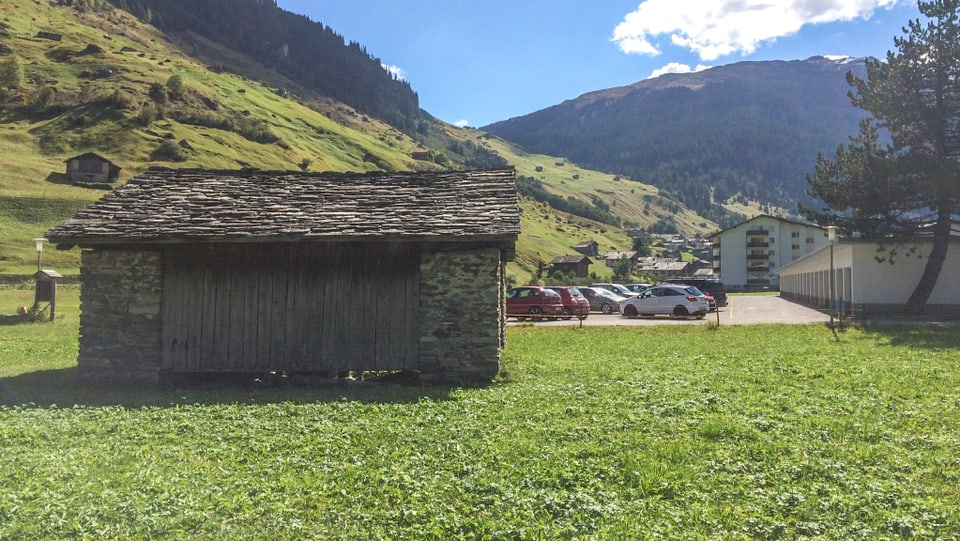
(863, 282)
(782, 248)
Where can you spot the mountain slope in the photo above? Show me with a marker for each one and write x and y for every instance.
(310, 54)
(750, 130)
(90, 92)
(119, 87)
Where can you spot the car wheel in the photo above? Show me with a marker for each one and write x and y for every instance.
(630, 311)
(680, 311)
(536, 313)
(567, 314)
(607, 309)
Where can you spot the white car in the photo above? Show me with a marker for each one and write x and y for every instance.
(671, 300)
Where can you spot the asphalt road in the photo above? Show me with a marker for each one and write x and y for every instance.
(741, 310)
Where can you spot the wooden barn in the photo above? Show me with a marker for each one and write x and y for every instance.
(192, 271)
(91, 167)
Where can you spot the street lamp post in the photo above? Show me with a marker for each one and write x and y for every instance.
(831, 238)
(38, 242)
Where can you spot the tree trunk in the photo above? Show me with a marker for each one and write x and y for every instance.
(931, 272)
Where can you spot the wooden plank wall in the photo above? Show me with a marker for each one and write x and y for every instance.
(297, 308)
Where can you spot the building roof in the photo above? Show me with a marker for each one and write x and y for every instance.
(620, 255)
(779, 219)
(660, 264)
(190, 205)
(90, 155)
(569, 259)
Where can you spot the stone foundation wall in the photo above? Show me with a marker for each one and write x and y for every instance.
(120, 319)
(461, 316)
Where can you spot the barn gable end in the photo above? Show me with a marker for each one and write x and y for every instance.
(189, 271)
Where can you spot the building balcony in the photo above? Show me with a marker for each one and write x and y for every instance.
(758, 233)
(758, 281)
(758, 244)
(758, 257)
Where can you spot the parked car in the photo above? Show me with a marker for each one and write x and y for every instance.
(712, 286)
(602, 300)
(574, 303)
(637, 288)
(533, 302)
(667, 299)
(618, 289)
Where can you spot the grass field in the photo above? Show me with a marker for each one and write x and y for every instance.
(741, 432)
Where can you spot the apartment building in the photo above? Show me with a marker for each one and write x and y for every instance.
(750, 254)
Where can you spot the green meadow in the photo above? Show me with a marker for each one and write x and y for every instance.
(738, 432)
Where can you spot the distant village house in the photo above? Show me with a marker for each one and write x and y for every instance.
(663, 268)
(612, 259)
(589, 248)
(91, 167)
(575, 265)
(49, 35)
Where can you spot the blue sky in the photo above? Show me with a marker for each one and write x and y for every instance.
(474, 63)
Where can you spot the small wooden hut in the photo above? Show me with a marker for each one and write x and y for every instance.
(192, 271)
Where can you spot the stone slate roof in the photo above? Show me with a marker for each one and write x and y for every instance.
(189, 205)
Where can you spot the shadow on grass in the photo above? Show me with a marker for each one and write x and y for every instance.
(921, 335)
(65, 388)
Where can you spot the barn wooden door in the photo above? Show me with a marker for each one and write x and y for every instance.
(292, 308)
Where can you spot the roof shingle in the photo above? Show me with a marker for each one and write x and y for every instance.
(190, 205)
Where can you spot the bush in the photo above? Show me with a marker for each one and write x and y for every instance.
(158, 93)
(11, 75)
(170, 151)
(149, 113)
(175, 86)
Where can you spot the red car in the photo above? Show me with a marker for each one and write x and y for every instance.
(533, 302)
(574, 303)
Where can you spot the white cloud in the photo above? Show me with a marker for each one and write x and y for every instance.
(676, 67)
(715, 28)
(396, 71)
(461, 123)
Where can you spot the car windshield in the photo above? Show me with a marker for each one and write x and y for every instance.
(605, 292)
(694, 291)
(550, 292)
(574, 292)
(620, 289)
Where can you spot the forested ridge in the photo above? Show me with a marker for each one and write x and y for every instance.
(750, 130)
(307, 52)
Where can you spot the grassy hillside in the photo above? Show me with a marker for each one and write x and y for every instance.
(95, 91)
(548, 233)
(90, 111)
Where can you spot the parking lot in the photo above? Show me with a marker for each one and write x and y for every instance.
(741, 310)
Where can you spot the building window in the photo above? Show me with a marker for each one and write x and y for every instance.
(795, 246)
(772, 240)
(795, 234)
(809, 240)
(772, 252)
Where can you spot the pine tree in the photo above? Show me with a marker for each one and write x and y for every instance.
(890, 191)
